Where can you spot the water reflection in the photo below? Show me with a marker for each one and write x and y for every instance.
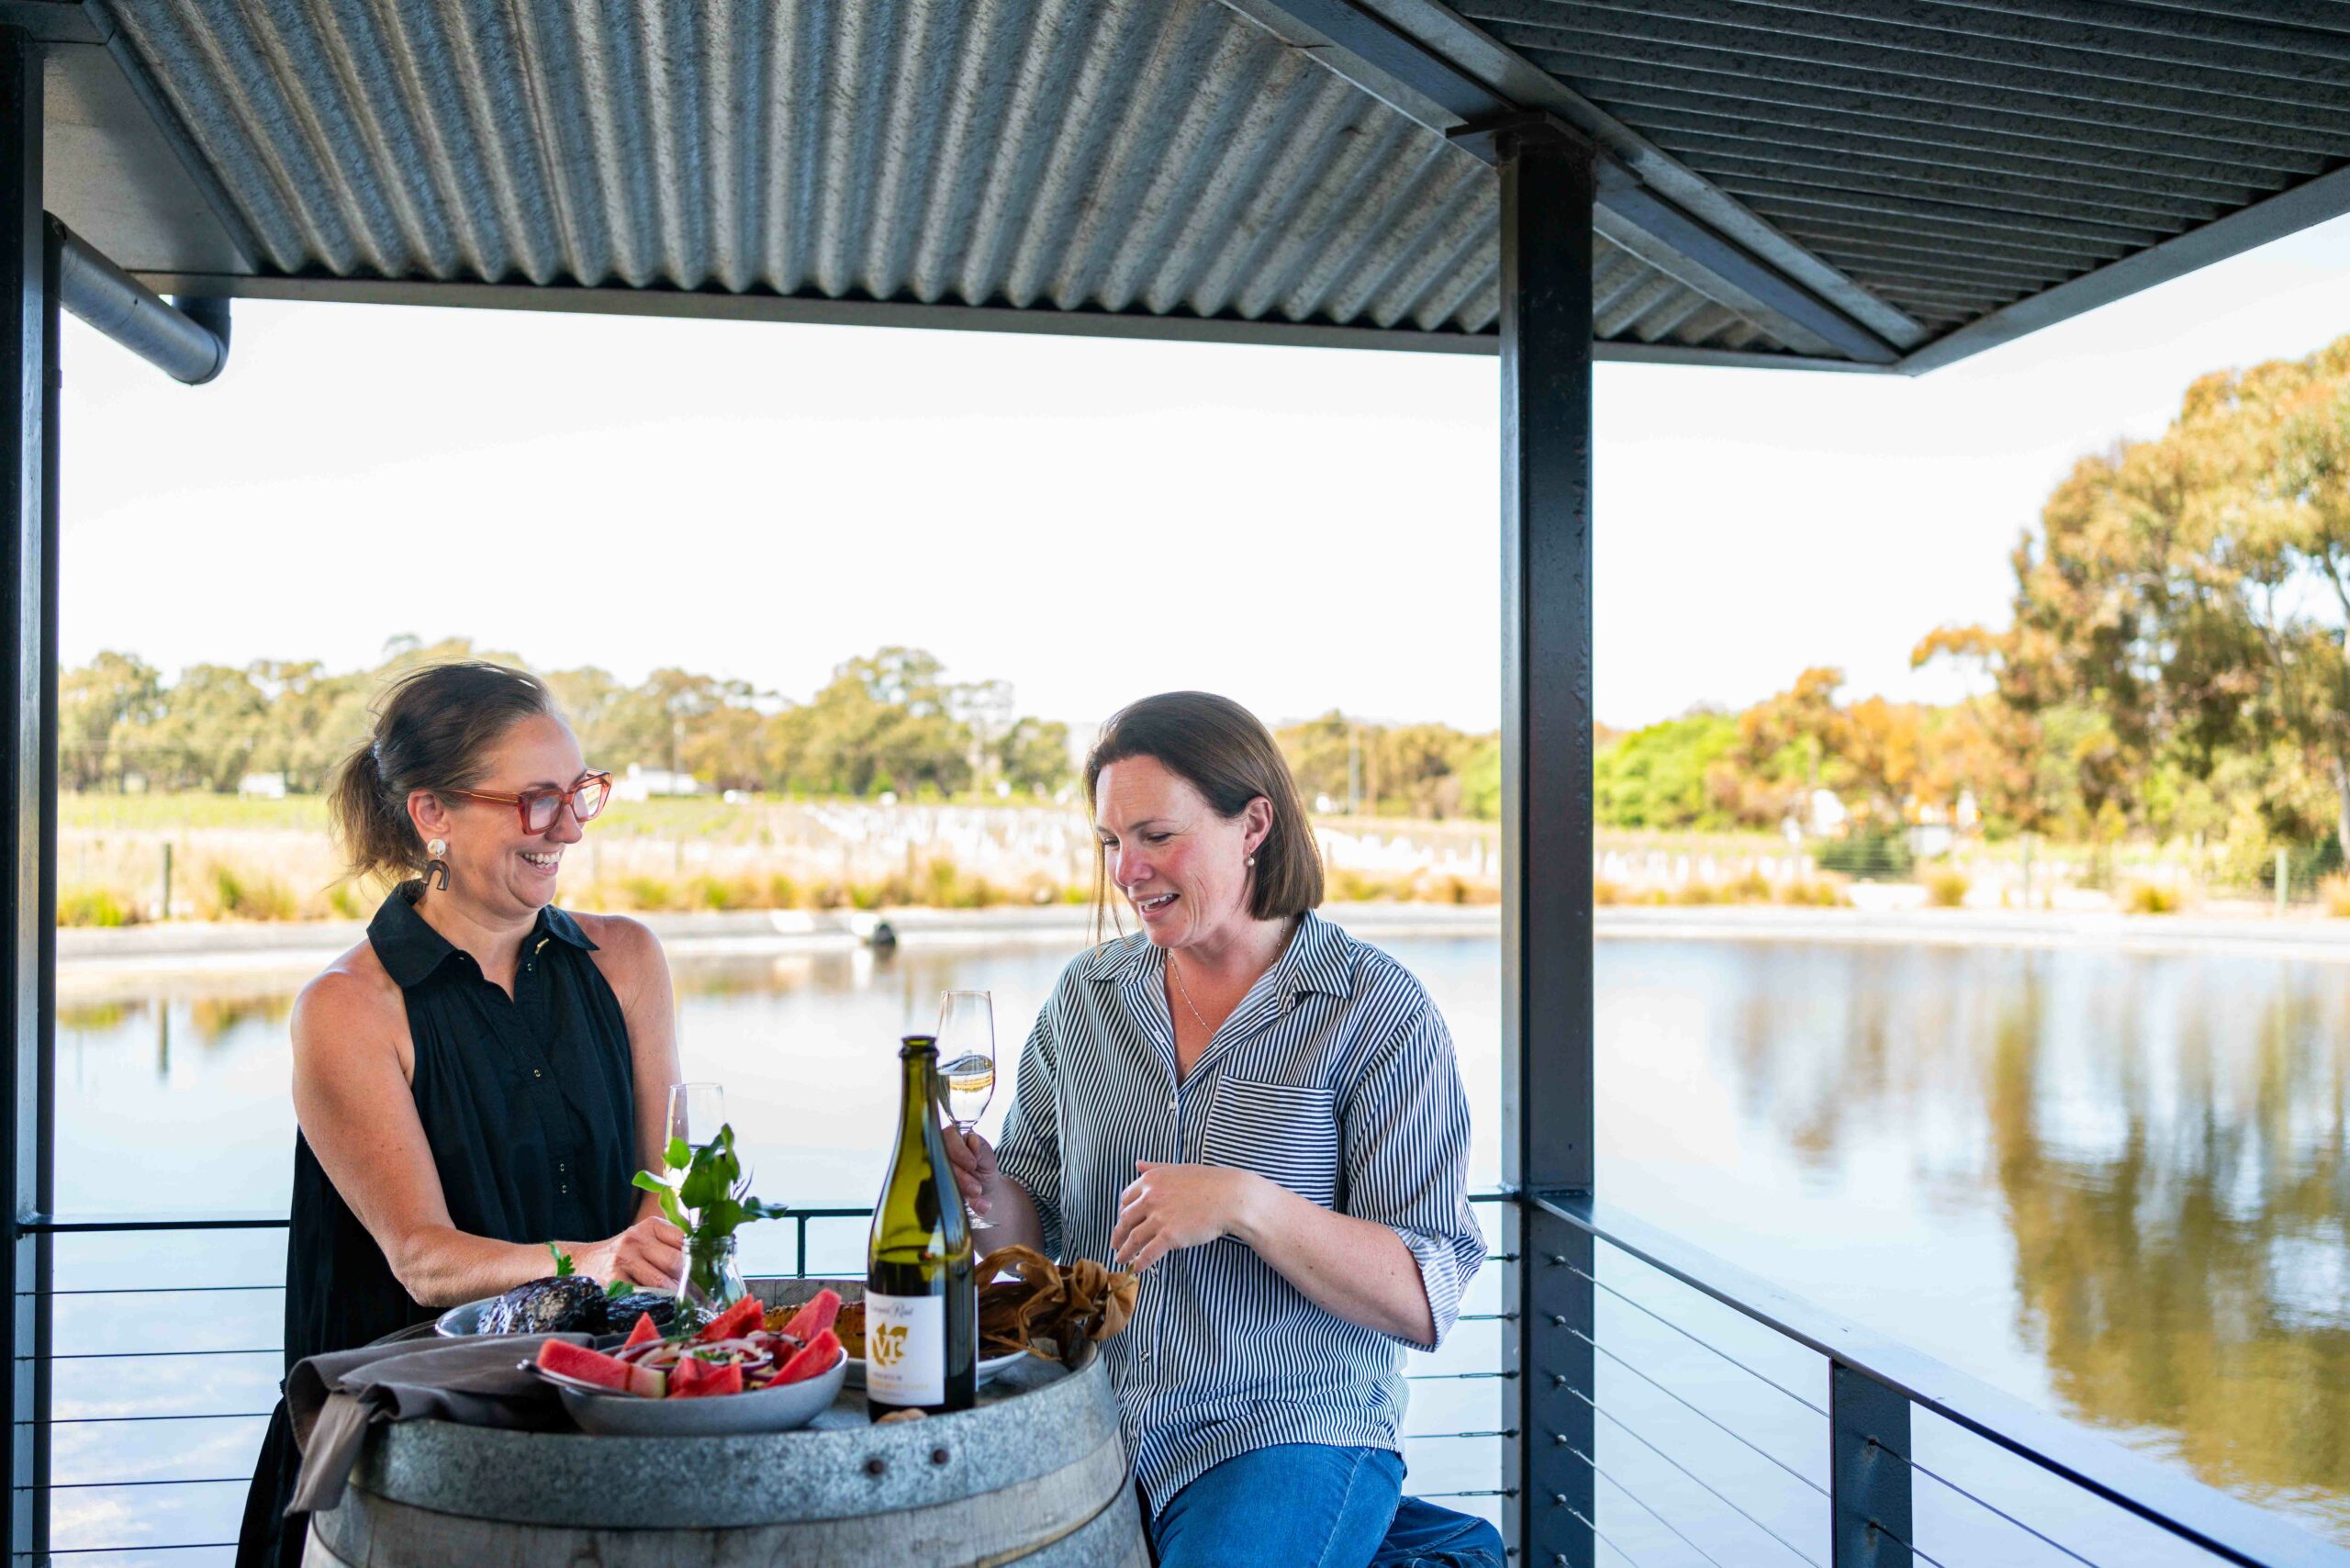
(2180, 1252)
(2115, 1184)
(2162, 1138)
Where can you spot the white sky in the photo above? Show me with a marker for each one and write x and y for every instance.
(1090, 520)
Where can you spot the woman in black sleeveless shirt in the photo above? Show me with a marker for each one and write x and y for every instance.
(485, 1074)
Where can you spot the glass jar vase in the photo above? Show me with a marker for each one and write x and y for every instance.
(711, 1282)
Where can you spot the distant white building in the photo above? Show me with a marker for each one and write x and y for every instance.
(261, 787)
(1929, 840)
(641, 783)
(1828, 814)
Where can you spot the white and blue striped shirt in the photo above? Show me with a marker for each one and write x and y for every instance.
(1333, 1076)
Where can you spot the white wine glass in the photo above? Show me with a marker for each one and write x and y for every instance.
(967, 1062)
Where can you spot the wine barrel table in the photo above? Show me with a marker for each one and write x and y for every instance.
(1036, 1475)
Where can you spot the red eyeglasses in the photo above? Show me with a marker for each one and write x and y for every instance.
(539, 809)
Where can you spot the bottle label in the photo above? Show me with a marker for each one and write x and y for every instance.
(905, 1348)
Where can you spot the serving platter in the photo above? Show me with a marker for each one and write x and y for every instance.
(779, 1409)
(463, 1321)
(989, 1370)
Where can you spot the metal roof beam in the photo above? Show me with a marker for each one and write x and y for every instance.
(714, 305)
(1424, 61)
(1669, 240)
(2326, 196)
(706, 305)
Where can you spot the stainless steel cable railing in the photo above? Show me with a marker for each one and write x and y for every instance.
(1719, 1405)
(1702, 1474)
(116, 1501)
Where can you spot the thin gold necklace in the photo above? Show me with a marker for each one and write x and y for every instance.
(1185, 992)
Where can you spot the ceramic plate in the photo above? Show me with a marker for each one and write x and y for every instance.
(719, 1415)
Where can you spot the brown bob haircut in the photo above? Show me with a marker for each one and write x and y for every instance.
(1230, 759)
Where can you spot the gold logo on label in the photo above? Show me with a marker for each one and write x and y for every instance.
(888, 1344)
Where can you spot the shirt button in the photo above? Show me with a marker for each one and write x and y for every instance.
(537, 1073)
(1174, 1104)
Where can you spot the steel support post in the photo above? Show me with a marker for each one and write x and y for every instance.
(1547, 182)
(27, 769)
(1869, 1471)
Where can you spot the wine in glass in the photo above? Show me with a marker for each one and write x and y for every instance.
(967, 1062)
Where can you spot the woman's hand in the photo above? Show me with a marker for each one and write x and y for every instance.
(975, 1168)
(991, 1195)
(1169, 1208)
(650, 1253)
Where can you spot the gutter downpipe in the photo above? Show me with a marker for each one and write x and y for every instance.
(187, 340)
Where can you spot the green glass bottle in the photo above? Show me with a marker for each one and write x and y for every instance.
(922, 1309)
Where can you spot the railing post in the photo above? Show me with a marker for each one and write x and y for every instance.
(1869, 1471)
(27, 770)
(1547, 182)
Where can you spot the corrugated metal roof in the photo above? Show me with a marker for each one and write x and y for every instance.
(1163, 158)
(1954, 158)
(1865, 179)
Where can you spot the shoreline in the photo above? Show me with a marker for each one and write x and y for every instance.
(104, 958)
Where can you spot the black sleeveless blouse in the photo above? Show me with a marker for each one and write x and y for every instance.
(529, 1104)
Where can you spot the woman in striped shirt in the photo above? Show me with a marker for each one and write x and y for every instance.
(1263, 1116)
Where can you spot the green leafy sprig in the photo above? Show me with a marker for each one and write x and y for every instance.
(713, 1191)
(563, 1266)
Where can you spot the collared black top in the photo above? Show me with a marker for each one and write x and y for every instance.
(529, 1104)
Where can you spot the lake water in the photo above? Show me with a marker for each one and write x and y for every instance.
(2113, 1184)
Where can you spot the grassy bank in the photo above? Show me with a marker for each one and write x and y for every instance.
(129, 859)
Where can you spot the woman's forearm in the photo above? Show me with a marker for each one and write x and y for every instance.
(441, 1266)
(1354, 1269)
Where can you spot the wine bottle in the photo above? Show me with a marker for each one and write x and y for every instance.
(921, 1306)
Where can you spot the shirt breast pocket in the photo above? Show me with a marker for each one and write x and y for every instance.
(1285, 1132)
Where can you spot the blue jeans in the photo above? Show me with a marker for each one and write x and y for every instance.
(1425, 1536)
(1313, 1506)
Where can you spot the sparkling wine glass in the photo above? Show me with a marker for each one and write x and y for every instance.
(966, 1060)
(696, 1113)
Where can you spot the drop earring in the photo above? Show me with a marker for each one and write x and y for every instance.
(436, 870)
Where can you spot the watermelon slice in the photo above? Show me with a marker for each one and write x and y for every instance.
(815, 1317)
(707, 1379)
(685, 1374)
(645, 1333)
(579, 1362)
(735, 1322)
(816, 1359)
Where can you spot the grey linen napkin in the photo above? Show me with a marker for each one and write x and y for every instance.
(333, 1399)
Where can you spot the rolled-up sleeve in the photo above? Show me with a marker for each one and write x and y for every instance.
(1406, 1128)
(1031, 1151)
